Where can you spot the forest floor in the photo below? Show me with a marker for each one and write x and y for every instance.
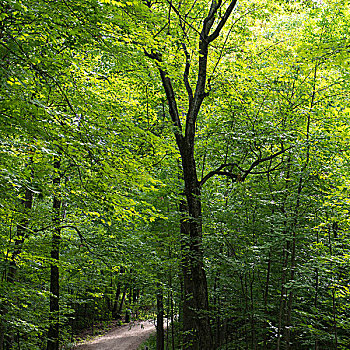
(127, 337)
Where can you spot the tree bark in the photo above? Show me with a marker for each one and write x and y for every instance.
(196, 327)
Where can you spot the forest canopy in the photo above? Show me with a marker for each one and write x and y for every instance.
(179, 160)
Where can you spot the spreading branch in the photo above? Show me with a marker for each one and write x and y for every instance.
(262, 160)
(242, 174)
(219, 171)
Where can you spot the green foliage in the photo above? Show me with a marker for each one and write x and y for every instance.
(75, 83)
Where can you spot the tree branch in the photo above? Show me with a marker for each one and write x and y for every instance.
(222, 22)
(219, 171)
(199, 94)
(209, 20)
(233, 177)
(261, 160)
(204, 40)
(170, 94)
(182, 18)
(238, 177)
(186, 75)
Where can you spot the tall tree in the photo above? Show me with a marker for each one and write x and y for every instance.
(196, 321)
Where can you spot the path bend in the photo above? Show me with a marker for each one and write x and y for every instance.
(127, 337)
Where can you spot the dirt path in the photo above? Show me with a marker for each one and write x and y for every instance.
(128, 337)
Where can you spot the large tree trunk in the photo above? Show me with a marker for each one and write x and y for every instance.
(54, 329)
(196, 325)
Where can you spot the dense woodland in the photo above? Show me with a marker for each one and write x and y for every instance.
(185, 159)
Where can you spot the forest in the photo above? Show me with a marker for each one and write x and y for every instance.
(181, 160)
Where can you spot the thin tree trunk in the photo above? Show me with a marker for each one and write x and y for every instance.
(252, 317)
(54, 327)
(334, 309)
(21, 236)
(115, 304)
(116, 313)
(266, 295)
(172, 321)
(283, 292)
(22, 227)
(171, 306)
(296, 217)
(160, 319)
(216, 309)
(316, 286)
(122, 302)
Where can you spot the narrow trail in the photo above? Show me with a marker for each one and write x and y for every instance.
(128, 337)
